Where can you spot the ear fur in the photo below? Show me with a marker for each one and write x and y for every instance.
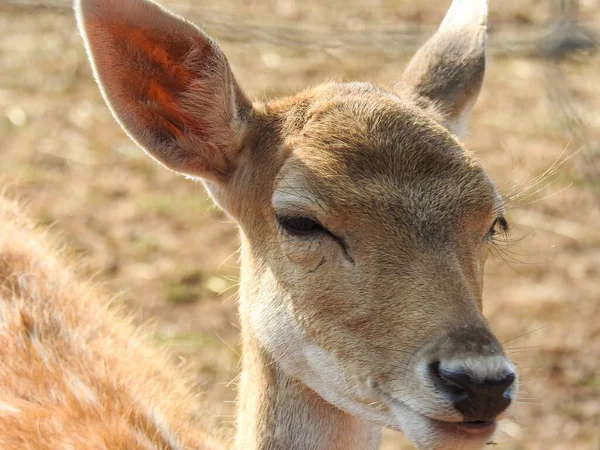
(167, 83)
(446, 74)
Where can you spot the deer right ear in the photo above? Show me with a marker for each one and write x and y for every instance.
(168, 85)
(446, 74)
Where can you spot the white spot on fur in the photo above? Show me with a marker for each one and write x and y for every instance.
(6, 408)
(36, 344)
(162, 429)
(80, 390)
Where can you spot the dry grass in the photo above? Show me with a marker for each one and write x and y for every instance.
(153, 237)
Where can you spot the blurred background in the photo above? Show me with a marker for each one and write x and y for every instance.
(155, 241)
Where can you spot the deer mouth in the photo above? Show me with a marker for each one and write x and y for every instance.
(429, 433)
(410, 421)
(477, 426)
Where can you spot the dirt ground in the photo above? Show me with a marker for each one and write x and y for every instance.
(155, 241)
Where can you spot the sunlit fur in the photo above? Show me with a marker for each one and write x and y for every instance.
(75, 373)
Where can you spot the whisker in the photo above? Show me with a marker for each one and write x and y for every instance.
(524, 334)
(228, 345)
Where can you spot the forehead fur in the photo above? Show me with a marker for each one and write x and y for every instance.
(357, 145)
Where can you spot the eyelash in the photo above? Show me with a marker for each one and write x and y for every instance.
(300, 226)
(504, 228)
(305, 227)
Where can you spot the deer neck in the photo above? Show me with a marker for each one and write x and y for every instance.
(276, 411)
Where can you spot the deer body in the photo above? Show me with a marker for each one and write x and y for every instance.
(76, 374)
(365, 227)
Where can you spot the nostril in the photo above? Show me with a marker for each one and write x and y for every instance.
(478, 396)
(501, 383)
(456, 378)
(452, 382)
(451, 379)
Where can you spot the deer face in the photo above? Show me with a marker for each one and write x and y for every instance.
(365, 273)
(365, 223)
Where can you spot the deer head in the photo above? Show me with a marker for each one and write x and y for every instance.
(365, 222)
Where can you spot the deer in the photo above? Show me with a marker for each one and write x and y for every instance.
(76, 373)
(365, 226)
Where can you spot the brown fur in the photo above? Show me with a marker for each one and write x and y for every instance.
(75, 373)
(342, 326)
(375, 163)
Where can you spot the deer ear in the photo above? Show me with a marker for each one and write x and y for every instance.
(168, 85)
(447, 72)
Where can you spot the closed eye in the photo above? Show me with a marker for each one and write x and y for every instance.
(300, 225)
(307, 228)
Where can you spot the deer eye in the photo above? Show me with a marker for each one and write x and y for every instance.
(300, 226)
(500, 225)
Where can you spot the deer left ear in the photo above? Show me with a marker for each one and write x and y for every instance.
(168, 84)
(446, 74)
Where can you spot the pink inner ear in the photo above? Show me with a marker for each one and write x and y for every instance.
(145, 72)
(167, 83)
(167, 109)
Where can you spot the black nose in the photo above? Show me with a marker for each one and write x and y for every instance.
(478, 399)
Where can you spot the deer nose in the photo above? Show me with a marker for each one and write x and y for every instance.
(478, 394)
